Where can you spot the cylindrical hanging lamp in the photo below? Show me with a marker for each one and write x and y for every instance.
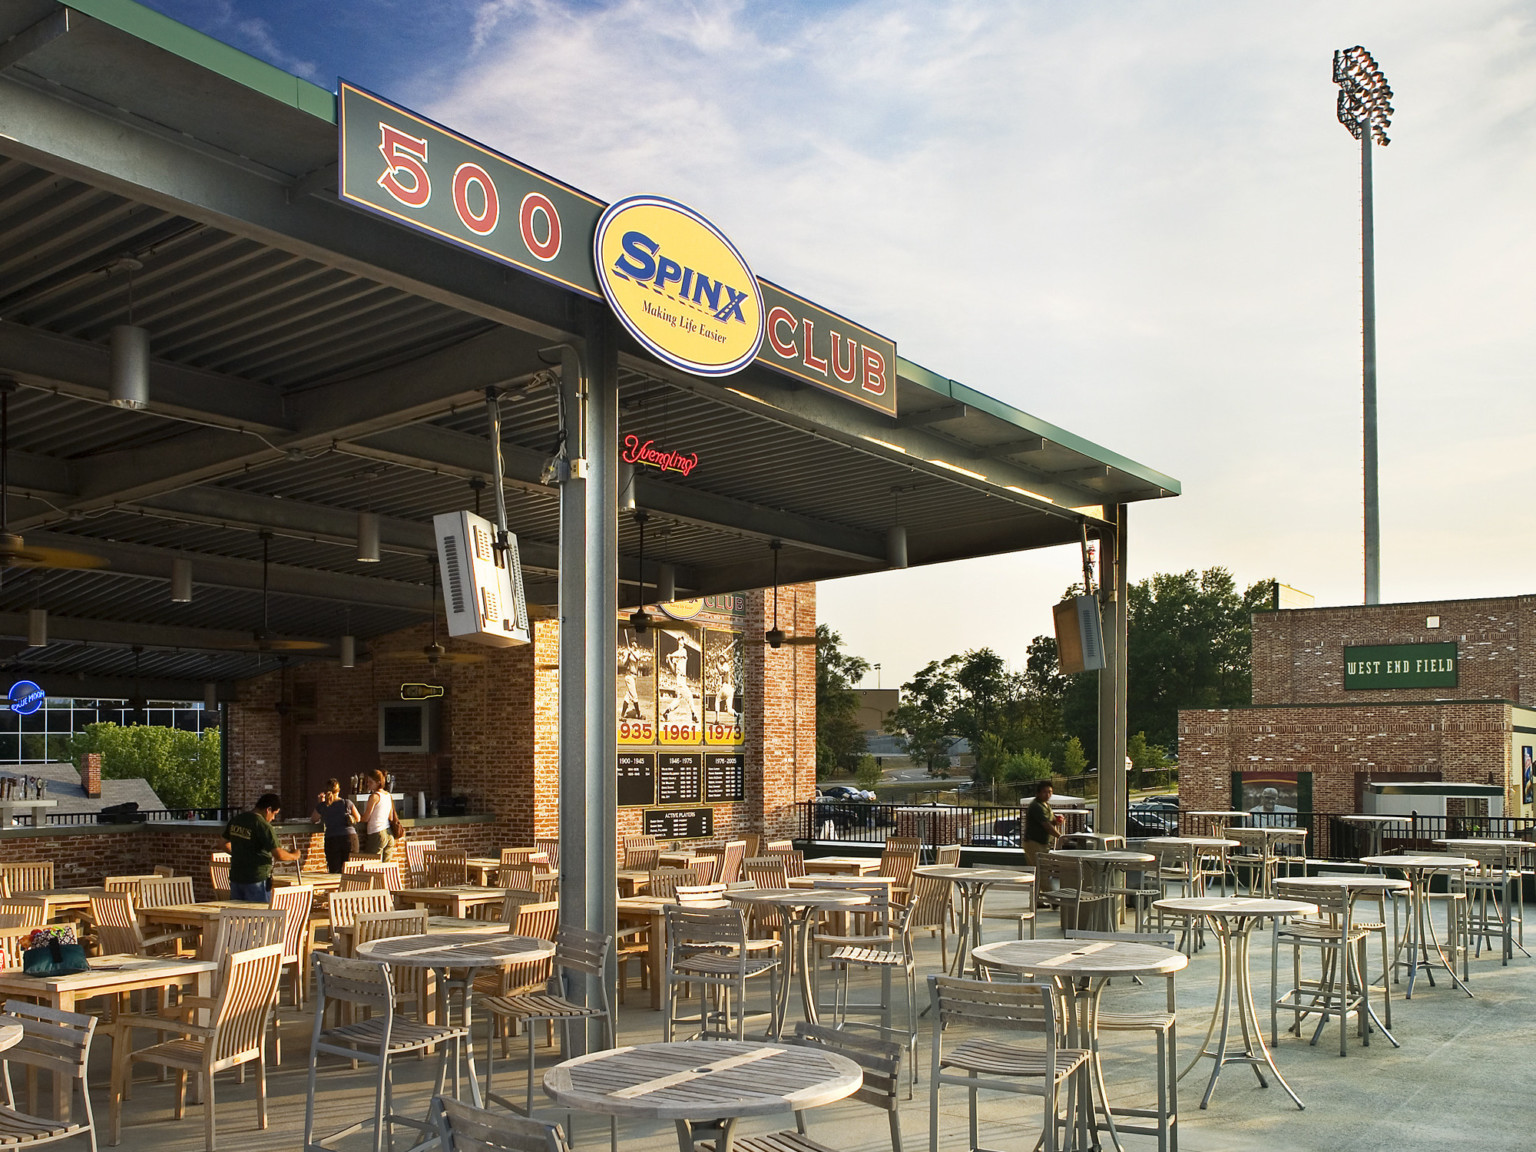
(666, 583)
(37, 628)
(368, 537)
(896, 546)
(129, 385)
(349, 651)
(211, 696)
(181, 581)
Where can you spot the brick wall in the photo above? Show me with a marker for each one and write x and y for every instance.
(499, 720)
(1298, 655)
(1461, 741)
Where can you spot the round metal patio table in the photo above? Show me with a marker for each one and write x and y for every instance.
(799, 908)
(1094, 962)
(972, 884)
(1233, 918)
(705, 1086)
(1421, 940)
(446, 952)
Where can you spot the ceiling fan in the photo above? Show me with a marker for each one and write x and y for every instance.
(433, 652)
(14, 552)
(262, 635)
(775, 637)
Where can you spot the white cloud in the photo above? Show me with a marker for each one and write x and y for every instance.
(1137, 220)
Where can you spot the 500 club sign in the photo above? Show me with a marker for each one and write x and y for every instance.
(707, 313)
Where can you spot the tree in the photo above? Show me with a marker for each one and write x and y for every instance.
(1145, 757)
(839, 740)
(868, 773)
(921, 720)
(1189, 645)
(182, 767)
(1073, 760)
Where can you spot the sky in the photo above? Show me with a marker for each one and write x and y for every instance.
(1136, 220)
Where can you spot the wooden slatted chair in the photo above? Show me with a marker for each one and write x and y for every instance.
(731, 856)
(26, 911)
(881, 1062)
(539, 919)
(416, 860)
(123, 884)
(295, 902)
(411, 984)
(579, 955)
(241, 929)
(218, 875)
(986, 1062)
(898, 866)
(165, 891)
(708, 947)
(701, 895)
(641, 853)
(361, 882)
(930, 912)
(465, 1128)
(235, 1035)
(764, 872)
(794, 859)
(374, 1033)
(518, 855)
(347, 906)
(447, 867)
(663, 882)
(118, 931)
(888, 949)
(56, 1042)
(13, 940)
(31, 876)
(527, 878)
(549, 847)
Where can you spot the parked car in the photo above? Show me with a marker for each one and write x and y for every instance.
(841, 807)
(1142, 822)
(985, 841)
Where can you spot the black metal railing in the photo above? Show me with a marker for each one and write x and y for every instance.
(865, 822)
(139, 816)
(1330, 836)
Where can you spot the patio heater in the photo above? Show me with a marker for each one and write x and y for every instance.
(1365, 108)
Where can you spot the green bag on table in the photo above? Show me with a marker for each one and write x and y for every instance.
(54, 952)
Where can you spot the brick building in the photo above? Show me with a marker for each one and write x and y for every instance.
(1441, 690)
(497, 745)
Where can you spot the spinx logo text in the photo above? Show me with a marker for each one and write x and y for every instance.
(644, 262)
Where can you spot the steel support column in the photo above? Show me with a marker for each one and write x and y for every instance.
(1112, 679)
(589, 634)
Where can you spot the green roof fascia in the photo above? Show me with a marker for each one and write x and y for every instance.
(161, 31)
(954, 390)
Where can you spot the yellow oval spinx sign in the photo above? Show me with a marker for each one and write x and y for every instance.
(679, 285)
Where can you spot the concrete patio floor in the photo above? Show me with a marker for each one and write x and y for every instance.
(1457, 1082)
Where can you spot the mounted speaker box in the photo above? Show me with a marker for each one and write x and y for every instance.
(1079, 635)
(482, 585)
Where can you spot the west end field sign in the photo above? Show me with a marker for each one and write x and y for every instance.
(1400, 666)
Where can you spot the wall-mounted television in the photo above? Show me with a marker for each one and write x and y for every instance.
(408, 726)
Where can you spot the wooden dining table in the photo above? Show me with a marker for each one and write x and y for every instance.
(650, 911)
(109, 976)
(453, 899)
(203, 916)
(60, 900)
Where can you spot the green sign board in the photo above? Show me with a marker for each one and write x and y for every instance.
(399, 164)
(1400, 666)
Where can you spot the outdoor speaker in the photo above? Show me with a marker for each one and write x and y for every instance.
(1079, 635)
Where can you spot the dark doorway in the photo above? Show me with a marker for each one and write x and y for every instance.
(340, 755)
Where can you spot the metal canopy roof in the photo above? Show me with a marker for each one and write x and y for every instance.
(311, 361)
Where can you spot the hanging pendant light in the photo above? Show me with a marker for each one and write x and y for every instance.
(368, 537)
(666, 583)
(349, 651)
(640, 619)
(181, 581)
(210, 697)
(896, 546)
(129, 384)
(37, 628)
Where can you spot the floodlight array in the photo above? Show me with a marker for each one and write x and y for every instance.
(1365, 97)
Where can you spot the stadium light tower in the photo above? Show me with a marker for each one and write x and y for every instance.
(1365, 109)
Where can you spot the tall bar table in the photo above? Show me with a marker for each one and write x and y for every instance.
(972, 884)
(1421, 940)
(1233, 918)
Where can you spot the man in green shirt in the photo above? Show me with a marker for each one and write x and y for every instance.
(252, 844)
(1041, 826)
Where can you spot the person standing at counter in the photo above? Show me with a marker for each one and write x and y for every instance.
(252, 844)
(379, 820)
(339, 815)
(1041, 825)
